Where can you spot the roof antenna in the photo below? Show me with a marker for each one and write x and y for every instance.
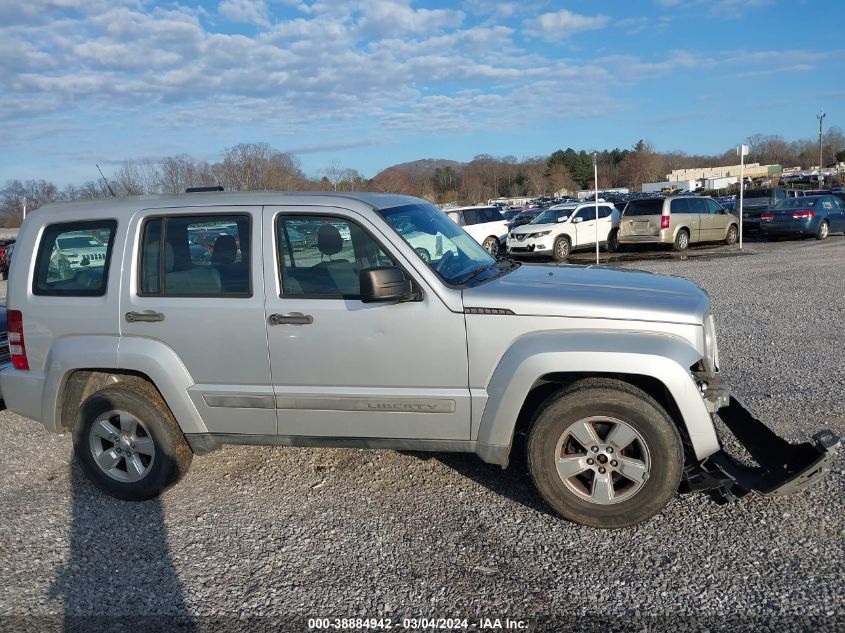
(108, 186)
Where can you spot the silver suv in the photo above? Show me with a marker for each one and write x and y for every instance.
(314, 320)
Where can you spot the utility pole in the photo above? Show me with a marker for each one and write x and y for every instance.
(742, 150)
(596, 192)
(820, 117)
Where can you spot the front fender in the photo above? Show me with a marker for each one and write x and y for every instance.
(659, 356)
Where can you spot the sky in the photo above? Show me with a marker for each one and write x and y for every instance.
(366, 84)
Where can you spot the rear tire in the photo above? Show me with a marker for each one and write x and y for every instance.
(681, 242)
(613, 241)
(128, 442)
(732, 236)
(562, 248)
(823, 231)
(627, 431)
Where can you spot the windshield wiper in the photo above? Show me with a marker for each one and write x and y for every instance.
(477, 271)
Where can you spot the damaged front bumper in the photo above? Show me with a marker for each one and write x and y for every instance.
(782, 467)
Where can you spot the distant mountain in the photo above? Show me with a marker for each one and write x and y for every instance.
(426, 166)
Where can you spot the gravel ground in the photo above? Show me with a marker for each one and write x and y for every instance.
(279, 535)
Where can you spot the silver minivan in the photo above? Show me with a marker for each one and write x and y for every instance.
(677, 220)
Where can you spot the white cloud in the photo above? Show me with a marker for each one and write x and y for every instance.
(245, 11)
(563, 24)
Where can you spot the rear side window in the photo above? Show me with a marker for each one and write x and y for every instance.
(491, 214)
(681, 205)
(196, 256)
(471, 217)
(650, 206)
(73, 259)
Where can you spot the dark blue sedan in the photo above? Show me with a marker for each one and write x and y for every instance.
(816, 216)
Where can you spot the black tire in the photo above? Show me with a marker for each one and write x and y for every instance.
(613, 241)
(172, 456)
(621, 401)
(681, 242)
(823, 231)
(491, 245)
(732, 235)
(561, 249)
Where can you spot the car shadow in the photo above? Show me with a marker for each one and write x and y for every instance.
(119, 574)
(513, 482)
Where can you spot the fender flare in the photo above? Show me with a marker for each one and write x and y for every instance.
(152, 358)
(660, 356)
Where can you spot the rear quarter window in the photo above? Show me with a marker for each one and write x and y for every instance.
(72, 259)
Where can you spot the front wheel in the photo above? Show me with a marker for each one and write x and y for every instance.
(604, 453)
(561, 249)
(732, 236)
(491, 245)
(128, 443)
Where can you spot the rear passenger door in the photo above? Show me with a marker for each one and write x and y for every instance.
(195, 284)
(686, 214)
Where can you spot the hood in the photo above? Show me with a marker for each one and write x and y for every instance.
(584, 291)
(534, 228)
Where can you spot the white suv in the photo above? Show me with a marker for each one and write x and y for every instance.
(486, 224)
(563, 228)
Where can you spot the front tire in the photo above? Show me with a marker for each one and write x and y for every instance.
(732, 236)
(128, 442)
(562, 248)
(491, 245)
(604, 453)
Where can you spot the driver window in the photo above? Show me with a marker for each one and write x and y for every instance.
(321, 256)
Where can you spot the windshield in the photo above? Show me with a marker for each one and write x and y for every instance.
(444, 246)
(550, 216)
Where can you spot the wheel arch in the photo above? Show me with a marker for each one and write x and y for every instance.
(538, 365)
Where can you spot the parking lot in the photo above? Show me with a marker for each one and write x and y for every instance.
(281, 535)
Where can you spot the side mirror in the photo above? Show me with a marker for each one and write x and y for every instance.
(577, 220)
(385, 283)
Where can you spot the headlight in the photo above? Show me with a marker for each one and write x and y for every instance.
(711, 347)
(540, 234)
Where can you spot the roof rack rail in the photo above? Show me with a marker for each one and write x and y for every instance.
(203, 189)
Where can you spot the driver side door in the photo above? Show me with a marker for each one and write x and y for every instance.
(344, 368)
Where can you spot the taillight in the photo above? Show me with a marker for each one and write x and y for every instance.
(664, 221)
(17, 346)
(767, 216)
(804, 215)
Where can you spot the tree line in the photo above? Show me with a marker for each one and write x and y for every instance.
(258, 166)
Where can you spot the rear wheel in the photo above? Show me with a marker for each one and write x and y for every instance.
(491, 245)
(823, 231)
(732, 236)
(681, 240)
(603, 453)
(128, 443)
(613, 241)
(561, 249)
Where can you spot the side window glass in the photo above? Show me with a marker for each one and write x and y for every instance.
(492, 215)
(713, 206)
(328, 266)
(184, 256)
(470, 217)
(73, 259)
(680, 205)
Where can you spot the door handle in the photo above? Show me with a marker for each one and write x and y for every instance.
(148, 316)
(293, 318)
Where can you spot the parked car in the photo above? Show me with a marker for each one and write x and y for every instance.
(564, 228)
(756, 201)
(816, 216)
(485, 224)
(76, 250)
(6, 258)
(678, 221)
(612, 376)
(524, 217)
(5, 355)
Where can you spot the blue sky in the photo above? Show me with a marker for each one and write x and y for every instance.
(369, 83)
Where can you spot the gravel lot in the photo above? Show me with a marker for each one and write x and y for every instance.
(279, 535)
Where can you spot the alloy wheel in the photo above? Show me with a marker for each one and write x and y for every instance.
(122, 446)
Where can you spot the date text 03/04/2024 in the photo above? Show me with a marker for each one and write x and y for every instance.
(417, 624)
